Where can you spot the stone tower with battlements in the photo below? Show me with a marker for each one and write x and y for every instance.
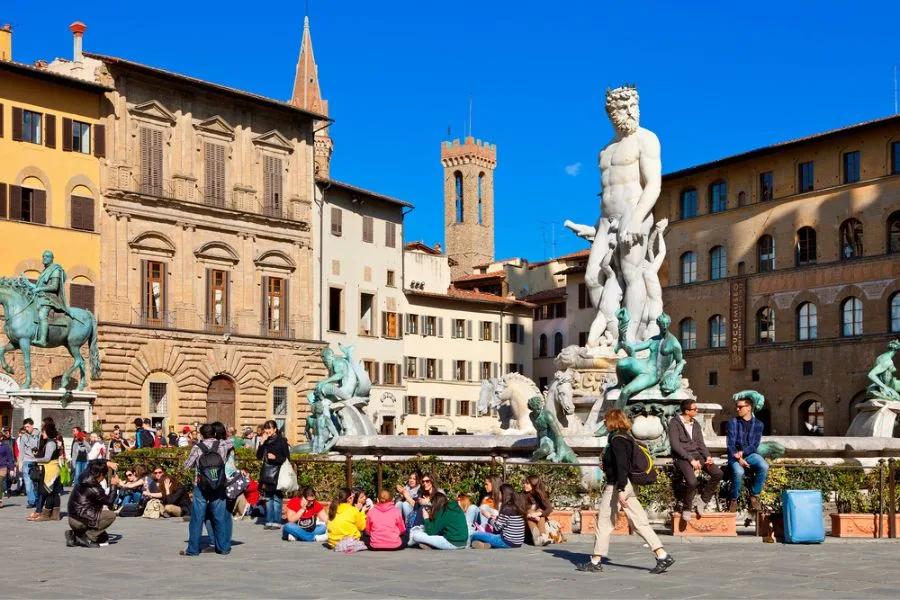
(308, 96)
(468, 203)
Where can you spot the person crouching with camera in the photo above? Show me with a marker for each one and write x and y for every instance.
(90, 507)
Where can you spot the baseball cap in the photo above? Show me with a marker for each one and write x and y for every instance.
(186, 429)
(80, 436)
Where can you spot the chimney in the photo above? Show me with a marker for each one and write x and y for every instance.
(6, 42)
(77, 28)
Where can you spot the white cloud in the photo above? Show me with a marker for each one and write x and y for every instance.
(573, 169)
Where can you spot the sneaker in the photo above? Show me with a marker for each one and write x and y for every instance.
(291, 538)
(589, 567)
(686, 516)
(699, 506)
(755, 504)
(70, 538)
(663, 564)
(322, 537)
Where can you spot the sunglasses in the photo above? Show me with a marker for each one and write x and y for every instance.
(426, 481)
(157, 472)
(129, 474)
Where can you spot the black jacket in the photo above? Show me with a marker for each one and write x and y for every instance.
(278, 446)
(684, 447)
(617, 459)
(87, 500)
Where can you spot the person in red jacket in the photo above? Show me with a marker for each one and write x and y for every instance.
(384, 524)
(246, 501)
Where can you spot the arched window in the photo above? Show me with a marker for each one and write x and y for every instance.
(807, 322)
(81, 208)
(812, 416)
(688, 203)
(459, 196)
(717, 332)
(851, 237)
(542, 345)
(557, 343)
(894, 313)
(806, 246)
(765, 254)
(893, 232)
(718, 268)
(688, 267)
(851, 317)
(765, 325)
(480, 213)
(718, 197)
(742, 198)
(688, 334)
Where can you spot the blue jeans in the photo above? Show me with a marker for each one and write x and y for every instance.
(494, 539)
(760, 471)
(406, 509)
(273, 508)
(79, 469)
(417, 535)
(126, 497)
(29, 484)
(300, 533)
(471, 514)
(212, 505)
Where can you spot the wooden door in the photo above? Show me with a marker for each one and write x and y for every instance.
(220, 401)
(387, 426)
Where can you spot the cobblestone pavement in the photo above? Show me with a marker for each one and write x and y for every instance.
(143, 562)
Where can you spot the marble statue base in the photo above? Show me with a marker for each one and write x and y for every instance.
(67, 408)
(876, 418)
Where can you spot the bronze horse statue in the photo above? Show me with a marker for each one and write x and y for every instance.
(21, 316)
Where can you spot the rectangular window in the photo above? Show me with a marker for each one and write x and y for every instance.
(280, 406)
(367, 314)
(371, 368)
(766, 186)
(512, 368)
(486, 331)
(273, 198)
(335, 309)
(430, 326)
(410, 367)
(754, 375)
(713, 378)
(391, 279)
(31, 126)
(275, 304)
(81, 137)
(512, 333)
(28, 205)
(158, 391)
(390, 325)
(851, 166)
(151, 161)
(81, 296)
(895, 158)
(214, 172)
(584, 297)
(459, 328)
(412, 405)
(431, 368)
(485, 369)
(688, 204)
(154, 282)
(459, 370)
(390, 235)
(82, 215)
(217, 298)
(368, 230)
(437, 406)
(337, 221)
(559, 310)
(806, 177)
(463, 408)
(718, 197)
(807, 368)
(391, 374)
(412, 324)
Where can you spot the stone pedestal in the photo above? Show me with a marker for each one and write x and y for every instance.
(876, 418)
(67, 408)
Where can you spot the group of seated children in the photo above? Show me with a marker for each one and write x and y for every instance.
(422, 515)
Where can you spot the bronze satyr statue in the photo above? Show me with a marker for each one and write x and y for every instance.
(551, 445)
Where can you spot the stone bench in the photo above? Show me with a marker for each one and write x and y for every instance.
(711, 524)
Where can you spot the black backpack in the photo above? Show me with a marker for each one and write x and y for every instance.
(642, 470)
(211, 468)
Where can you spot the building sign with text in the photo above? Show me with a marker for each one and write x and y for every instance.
(737, 318)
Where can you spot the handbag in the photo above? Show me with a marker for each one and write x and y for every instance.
(268, 475)
(287, 478)
(36, 474)
(236, 486)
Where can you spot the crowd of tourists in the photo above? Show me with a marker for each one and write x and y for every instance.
(416, 513)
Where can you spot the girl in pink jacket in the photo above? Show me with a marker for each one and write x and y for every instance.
(384, 524)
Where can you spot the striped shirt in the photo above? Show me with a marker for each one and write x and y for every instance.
(511, 528)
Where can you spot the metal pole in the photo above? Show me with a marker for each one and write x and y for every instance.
(504, 467)
(378, 489)
(880, 524)
(348, 465)
(892, 507)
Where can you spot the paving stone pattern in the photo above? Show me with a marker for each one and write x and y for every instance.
(143, 562)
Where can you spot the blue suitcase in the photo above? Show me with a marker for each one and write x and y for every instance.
(803, 522)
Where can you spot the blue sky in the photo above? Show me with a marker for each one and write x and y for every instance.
(714, 80)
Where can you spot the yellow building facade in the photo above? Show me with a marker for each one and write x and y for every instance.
(51, 142)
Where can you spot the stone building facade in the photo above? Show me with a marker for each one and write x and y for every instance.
(782, 272)
(205, 303)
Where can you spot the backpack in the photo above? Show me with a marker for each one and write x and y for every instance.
(82, 454)
(153, 509)
(211, 468)
(642, 470)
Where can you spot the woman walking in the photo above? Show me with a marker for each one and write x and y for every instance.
(46, 507)
(273, 451)
(619, 492)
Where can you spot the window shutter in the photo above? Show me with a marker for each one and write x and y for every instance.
(15, 203)
(367, 229)
(399, 325)
(495, 367)
(422, 329)
(480, 330)
(285, 308)
(39, 206)
(452, 329)
(421, 373)
(521, 334)
(99, 141)
(1, 120)
(209, 299)
(384, 324)
(50, 131)
(497, 332)
(82, 216)
(423, 405)
(336, 221)
(390, 235)
(440, 369)
(67, 134)
(471, 375)
(263, 305)
(143, 288)
(227, 297)
(440, 326)
(164, 291)
(145, 159)
(469, 329)
(18, 117)
(3, 202)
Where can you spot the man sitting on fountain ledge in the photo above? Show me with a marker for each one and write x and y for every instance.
(690, 456)
(743, 437)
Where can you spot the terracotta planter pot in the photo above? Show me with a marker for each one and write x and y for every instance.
(589, 523)
(860, 525)
(565, 518)
(709, 525)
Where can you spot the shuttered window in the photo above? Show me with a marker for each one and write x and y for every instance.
(153, 300)
(26, 204)
(81, 296)
(272, 183)
(214, 184)
(3, 201)
(100, 141)
(337, 221)
(390, 235)
(368, 229)
(50, 131)
(26, 125)
(151, 161)
(275, 307)
(217, 299)
(1, 120)
(82, 216)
